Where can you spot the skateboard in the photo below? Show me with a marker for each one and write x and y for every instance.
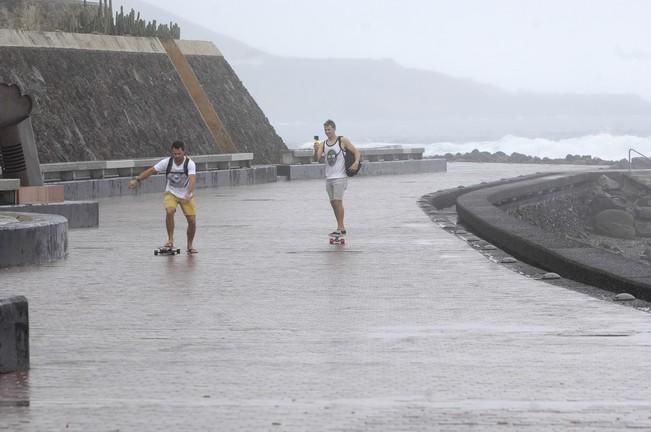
(166, 250)
(338, 240)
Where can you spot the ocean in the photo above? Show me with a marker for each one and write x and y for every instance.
(604, 146)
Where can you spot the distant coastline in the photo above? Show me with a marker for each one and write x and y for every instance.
(501, 157)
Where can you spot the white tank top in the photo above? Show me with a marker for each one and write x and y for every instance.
(335, 165)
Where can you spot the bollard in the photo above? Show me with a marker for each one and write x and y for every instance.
(14, 335)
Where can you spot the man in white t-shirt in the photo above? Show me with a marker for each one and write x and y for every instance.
(181, 173)
(333, 148)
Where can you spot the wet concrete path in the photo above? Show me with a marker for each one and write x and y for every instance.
(269, 328)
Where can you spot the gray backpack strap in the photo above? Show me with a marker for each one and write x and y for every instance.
(169, 167)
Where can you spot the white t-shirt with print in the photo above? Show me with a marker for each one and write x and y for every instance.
(177, 181)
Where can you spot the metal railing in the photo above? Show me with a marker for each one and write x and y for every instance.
(630, 161)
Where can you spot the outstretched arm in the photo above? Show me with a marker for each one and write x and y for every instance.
(133, 183)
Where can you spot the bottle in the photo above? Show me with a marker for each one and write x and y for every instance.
(316, 148)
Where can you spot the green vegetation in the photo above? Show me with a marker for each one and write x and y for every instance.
(100, 19)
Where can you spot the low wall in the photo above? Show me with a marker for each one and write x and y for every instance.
(14, 335)
(317, 170)
(113, 187)
(448, 197)
(86, 170)
(32, 238)
(479, 211)
(374, 154)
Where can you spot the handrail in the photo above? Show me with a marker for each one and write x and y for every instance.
(630, 161)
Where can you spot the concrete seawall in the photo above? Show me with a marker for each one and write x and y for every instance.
(481, 209)
(211, 119)
(111, 97)
(247, 125)
(100, 97)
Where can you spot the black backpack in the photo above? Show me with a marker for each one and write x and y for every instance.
(349, 159)
(169, 166)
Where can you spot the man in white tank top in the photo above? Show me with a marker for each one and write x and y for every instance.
(333, 148)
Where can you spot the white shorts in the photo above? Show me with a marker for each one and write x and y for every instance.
(336, 187)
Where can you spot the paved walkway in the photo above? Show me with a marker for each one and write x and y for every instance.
(270, 328)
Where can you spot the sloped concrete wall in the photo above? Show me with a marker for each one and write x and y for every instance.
(101, 97)
(246, 123)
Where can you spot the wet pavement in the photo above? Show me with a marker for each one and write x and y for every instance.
(269, 328)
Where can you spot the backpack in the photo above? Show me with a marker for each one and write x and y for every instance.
(169, 166)
(349, 159)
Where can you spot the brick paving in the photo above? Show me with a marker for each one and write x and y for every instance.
(269, 328)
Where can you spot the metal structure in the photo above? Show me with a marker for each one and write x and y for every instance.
(18, 153)
(630, 160)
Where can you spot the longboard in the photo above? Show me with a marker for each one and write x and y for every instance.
(166, 250)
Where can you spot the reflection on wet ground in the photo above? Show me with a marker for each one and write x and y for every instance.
(271, 328)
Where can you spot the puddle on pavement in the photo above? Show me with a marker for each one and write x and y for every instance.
(257, 199)
(6, 219)
(339, 249)
(104, 248)
(14, 389)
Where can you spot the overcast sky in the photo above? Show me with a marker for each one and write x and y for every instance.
(541, 45)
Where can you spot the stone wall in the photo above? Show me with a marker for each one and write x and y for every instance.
(41, 15)
(247, 125)
(110, 97)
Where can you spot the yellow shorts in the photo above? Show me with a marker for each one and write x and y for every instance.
(171, 201)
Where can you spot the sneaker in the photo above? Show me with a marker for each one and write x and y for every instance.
(343, 232)
(335, 233)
